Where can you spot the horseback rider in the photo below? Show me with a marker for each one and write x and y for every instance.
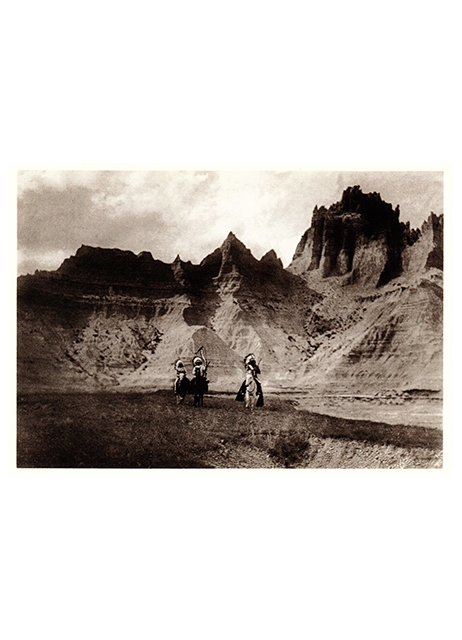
(250, 364)
(199, 368)
(252, 370)
(180, 368)
(180, 371)
(200, 384)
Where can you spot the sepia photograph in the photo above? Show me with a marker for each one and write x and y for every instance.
(229, 318)
(230, 270)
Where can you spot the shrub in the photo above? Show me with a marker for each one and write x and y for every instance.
(289, 447)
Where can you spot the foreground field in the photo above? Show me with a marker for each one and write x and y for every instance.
(148, 430)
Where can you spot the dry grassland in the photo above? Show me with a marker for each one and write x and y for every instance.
(148, 430)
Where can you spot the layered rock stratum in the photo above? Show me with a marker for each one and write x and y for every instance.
(358, 310)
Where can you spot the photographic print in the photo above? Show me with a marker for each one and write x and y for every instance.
(229, 319)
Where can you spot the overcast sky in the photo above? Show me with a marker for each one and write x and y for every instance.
(190, 213)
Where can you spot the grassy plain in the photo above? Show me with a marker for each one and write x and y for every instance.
(148, 430)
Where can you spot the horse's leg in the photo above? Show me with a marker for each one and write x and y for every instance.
(203, 390)
(250, 401)
(179, 390)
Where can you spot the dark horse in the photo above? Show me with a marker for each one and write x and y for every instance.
(181, 388)
(199, 386)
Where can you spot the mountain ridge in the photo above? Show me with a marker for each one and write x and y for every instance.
(342, 239)
(359, 308)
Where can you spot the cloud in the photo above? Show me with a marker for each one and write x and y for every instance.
(31, 180)
(191, 212)
(47, 260)
(132, 210)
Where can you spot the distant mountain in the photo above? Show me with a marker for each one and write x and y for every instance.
(359, 308)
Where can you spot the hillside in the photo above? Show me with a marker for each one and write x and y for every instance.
(358, 310)
(110, 318)
(371, 331)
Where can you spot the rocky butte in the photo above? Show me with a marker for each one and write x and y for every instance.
(358, 310)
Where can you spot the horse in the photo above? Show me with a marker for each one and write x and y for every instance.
(199, 386)
(181, 387)
(199, 383)
(250, 392)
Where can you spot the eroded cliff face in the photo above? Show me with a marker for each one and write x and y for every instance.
(427, 250)
(359, 310)
(390, 340)
(110, 318)
(379, 323)
(359, 237)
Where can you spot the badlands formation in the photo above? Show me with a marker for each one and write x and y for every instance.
(359, 310)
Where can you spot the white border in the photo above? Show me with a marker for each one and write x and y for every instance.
(155, 473)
